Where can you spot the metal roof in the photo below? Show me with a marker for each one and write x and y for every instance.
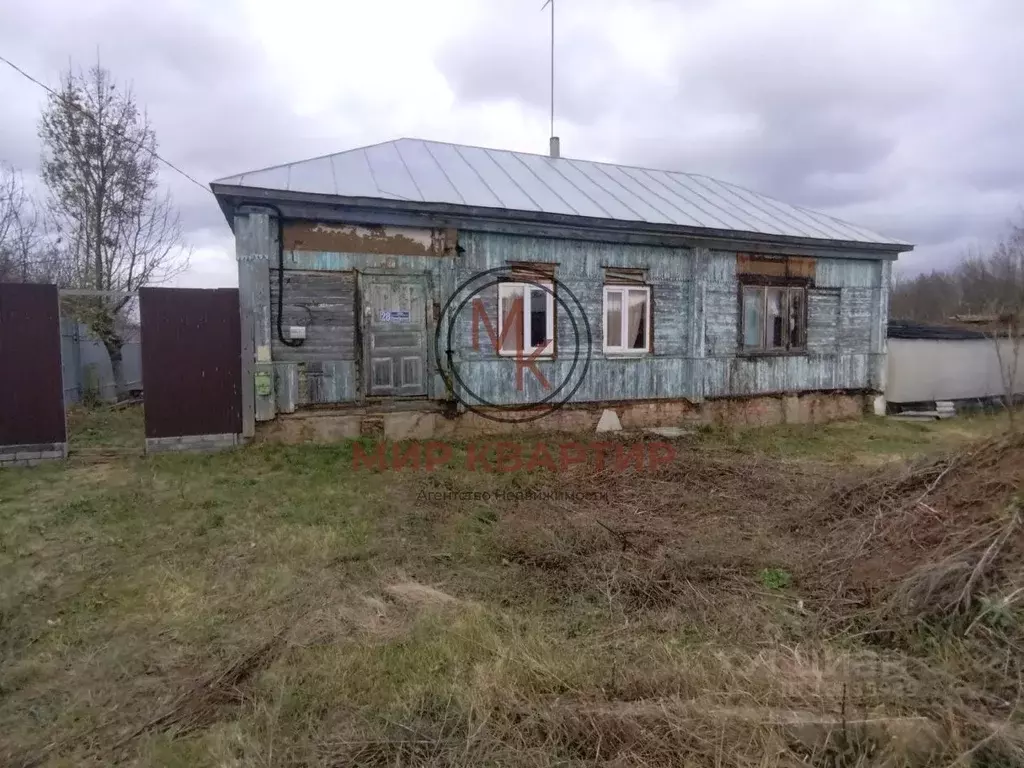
(435, 172)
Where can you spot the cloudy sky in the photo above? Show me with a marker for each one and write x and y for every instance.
(905, 116)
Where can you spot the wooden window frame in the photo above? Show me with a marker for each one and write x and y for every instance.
(506, 287)
(764, 282)
(624, 351)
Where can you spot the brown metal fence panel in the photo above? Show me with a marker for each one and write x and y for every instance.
(191, 361)
(31, 388)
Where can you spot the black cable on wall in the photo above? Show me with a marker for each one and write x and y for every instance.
(280, 276)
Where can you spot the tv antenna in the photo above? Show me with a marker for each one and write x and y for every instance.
(554, 145)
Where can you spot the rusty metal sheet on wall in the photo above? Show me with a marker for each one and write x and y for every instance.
(775, 266)
(191, 361)
(31, 388)
(352, 238)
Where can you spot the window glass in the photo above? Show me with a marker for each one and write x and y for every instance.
(538, 317)
(796, 317)
(510, 294)
(773, 317)
(776, 318)
(753, 316)
(613, 318)
(636, 330)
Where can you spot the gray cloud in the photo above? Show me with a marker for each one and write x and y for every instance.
(903, 117)
(205, 84)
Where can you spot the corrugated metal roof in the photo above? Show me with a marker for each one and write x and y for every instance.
(435, 172)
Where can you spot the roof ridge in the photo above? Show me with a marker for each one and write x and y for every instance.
(541, 154)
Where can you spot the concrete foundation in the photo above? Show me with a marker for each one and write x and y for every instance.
(29, 455)
(431, 421)
(193, 443)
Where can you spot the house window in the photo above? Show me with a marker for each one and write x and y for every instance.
(526, 318)
(774, 318)
(627, 319)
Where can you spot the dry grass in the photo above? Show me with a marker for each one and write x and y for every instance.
(762, 601)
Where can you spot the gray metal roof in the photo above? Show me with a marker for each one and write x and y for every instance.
(436, 172)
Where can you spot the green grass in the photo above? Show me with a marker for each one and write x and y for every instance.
(775, 578)
(106, 429)
(271, 606)
(866, 441)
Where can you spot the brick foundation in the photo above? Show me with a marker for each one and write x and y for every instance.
(31, 454)
(193, 443)
(331, 425)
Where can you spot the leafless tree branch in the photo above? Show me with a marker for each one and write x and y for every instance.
(21, 233)
(115, 229)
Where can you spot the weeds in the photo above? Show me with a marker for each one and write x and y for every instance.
(775, 578)
(731, 609)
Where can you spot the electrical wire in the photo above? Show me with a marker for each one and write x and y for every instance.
(280, 274)
(173, 167)
(92, 117)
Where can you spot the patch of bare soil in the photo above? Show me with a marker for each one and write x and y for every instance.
(667, 536)
(414, 593)
(379, 614)
(851, 538)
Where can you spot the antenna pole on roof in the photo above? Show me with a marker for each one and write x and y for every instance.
(554, 145)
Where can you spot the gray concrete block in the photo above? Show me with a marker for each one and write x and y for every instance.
(28, 455)
(51, 455)
(192, 443)
(158, 445)
(26, 447)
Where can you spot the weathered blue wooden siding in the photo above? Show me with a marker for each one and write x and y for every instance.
(695, 325)
(666, 373)
(842, 308)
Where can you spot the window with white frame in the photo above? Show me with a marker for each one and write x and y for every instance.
(627, 319)
(526, 318)
(774, 318)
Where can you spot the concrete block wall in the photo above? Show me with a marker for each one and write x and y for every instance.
(330, 425)
(193, 443)
(31, 454)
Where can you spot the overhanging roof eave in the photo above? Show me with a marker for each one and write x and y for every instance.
(231, 197)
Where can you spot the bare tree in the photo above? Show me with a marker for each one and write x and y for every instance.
(116, 230)
(20, 230)
(929, 298)
(986, 288)
(1002, 275)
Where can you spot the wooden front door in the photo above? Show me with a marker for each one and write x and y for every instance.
(394, 328)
